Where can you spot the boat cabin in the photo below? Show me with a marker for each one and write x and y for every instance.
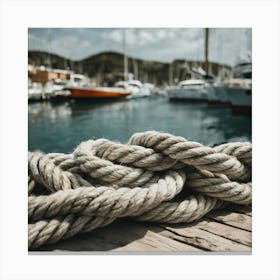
(195, 84)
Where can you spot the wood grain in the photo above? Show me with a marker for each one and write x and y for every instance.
(220, 231)
(205, 240)
(233, 219)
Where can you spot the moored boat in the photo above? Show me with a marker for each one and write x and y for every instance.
(189, 90)
(239, 88)
(56, 88)
(220, 95)
(136, 88)
(239, 92)
(35, 92)
(99, 92)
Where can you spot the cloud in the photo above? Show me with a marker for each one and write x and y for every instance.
(162, 44)
(114, 35)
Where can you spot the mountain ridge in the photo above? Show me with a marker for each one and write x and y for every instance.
(107, 67)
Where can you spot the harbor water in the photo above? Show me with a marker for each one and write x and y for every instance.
(61, 126)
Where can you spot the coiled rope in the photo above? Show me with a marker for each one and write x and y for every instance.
(155, 177)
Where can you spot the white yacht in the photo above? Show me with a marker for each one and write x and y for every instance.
(56, 87)
(239, 92)
(35, 91)
(239, 88)
(189, 90)
(220, 96)
(59, 87)
(135, 86)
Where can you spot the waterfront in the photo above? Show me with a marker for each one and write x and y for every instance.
(60, 127)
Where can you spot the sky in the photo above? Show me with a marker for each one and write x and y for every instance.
(226, 45)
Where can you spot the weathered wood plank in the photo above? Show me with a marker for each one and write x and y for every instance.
(229, 232)
(204, 240)
(233, 219)
(150, 238)
(244, 209)
(159, 243)
(219, 231)
(123, 236)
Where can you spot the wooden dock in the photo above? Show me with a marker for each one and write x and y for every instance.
(228, 230)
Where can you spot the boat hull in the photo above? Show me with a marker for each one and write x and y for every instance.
(244, 110)
(191, 95)
(98, 93)
(241, 100)
(240, 97)
(187, 99)
(218, 96)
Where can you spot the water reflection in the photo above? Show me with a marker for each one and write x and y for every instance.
(59, 127)
(42, 111)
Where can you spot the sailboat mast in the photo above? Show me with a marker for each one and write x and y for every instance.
(125, 57)
(135, 68)
(206, 51)
(49, 48)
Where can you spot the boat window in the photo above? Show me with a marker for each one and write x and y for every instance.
(195, 86)
(60, 83)
(134, 85)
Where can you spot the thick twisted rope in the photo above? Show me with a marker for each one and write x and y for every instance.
(155, 177)
(106, 201)
(192, 153)
(53, 230)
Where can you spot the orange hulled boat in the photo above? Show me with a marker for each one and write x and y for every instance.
(99, 92)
